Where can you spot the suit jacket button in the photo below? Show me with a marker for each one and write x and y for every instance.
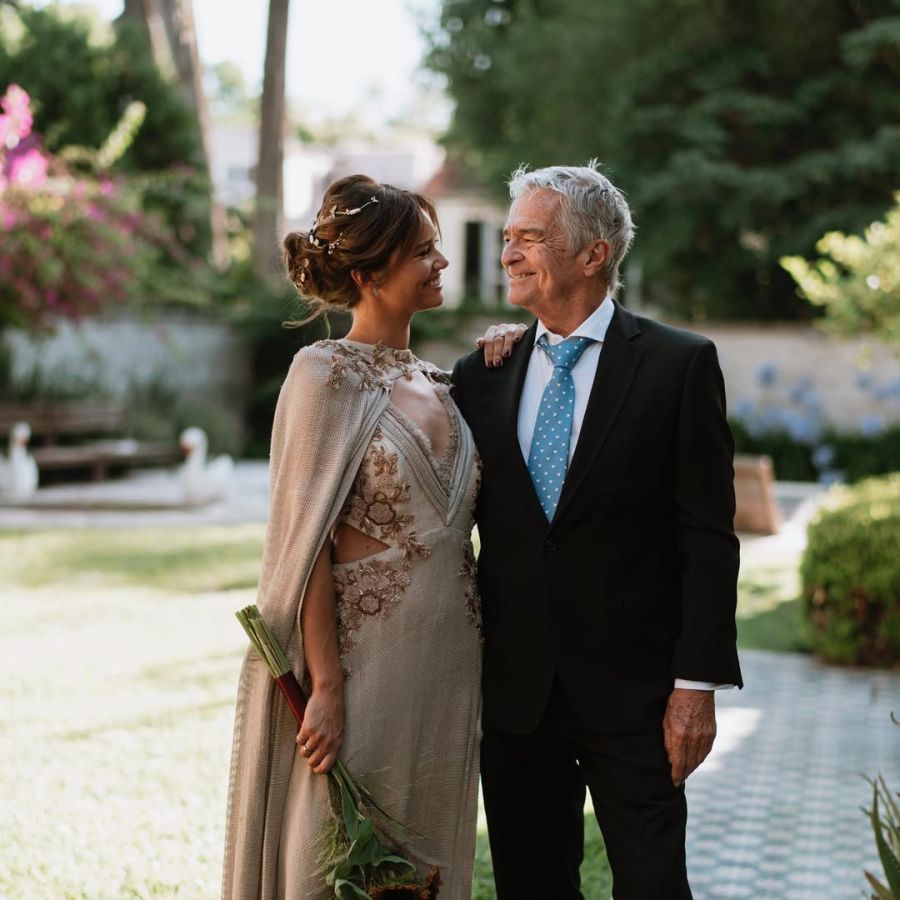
(551, 546)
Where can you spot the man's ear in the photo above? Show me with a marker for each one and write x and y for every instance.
(597, 257)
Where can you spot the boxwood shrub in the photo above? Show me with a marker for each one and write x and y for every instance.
(851, 574)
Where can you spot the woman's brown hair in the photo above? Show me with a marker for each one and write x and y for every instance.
(361, 226)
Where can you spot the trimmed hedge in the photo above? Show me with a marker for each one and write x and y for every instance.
(855, 455)
(851, 574)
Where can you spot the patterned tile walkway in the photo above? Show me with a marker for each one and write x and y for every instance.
(775, 810)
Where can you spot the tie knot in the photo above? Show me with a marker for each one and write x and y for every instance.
(565, 353)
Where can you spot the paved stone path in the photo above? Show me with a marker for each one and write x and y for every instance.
(775, 810)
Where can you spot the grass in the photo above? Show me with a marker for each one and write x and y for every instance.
(770, 612)
(119, 657)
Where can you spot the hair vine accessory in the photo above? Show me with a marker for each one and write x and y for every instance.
(333, 213)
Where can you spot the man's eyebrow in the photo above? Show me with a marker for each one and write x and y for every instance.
(525, 229)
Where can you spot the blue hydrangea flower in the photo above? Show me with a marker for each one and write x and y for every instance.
(872, 425)
(823, 456)
(766, 374)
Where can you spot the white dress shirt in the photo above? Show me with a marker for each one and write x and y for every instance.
(540, 369)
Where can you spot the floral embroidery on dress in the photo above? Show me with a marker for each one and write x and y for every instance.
(467, 571)
(368, 589)
(373, 505)
(374, 367)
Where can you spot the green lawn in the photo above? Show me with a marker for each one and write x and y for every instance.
(119, 657)
(770, 614)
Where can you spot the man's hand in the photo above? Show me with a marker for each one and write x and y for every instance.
(689, 729)
(497, 342)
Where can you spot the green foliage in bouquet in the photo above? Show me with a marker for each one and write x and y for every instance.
(851, 574)
(857, 279)
(357, 861)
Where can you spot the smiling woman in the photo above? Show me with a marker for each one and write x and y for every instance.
(368, 577)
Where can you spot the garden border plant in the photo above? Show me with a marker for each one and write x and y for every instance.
(850, 573)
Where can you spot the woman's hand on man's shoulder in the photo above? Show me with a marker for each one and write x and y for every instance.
(498, 341)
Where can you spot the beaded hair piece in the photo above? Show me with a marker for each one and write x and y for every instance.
(334, 213)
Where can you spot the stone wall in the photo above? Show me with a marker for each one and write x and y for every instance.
(111, 356)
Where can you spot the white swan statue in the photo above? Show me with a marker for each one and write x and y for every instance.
(19, 473)
(202, 481)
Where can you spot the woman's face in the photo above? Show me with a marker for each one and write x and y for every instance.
(415, 283)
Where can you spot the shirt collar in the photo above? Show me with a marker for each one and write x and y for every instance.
(593, 327)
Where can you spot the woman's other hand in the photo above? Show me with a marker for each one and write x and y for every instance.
(322, 732)
(498, 341)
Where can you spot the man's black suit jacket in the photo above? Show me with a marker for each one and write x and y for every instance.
(633, 583)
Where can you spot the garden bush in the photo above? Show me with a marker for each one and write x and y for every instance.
(850, 455)
(851, 574)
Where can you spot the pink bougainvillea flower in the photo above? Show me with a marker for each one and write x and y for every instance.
(8, 136)
(17, 105)
(29, 169)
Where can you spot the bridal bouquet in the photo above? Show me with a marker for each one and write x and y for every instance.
(361, 866)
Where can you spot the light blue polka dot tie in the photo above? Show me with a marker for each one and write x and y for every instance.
(549, 456)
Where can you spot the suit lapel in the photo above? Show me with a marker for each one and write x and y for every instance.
(512, 374)
(616, 368)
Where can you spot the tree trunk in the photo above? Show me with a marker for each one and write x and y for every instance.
(178, 16)
(268, 221)
(169, 28)
(149, 15)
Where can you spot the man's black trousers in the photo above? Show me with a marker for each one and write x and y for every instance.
(534, 791)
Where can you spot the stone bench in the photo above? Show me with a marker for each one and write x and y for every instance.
(95, 422)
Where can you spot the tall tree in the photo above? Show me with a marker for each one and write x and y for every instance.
(150, 17)
(740, 131)
(269, 214)
(178, 16)
(168, 26)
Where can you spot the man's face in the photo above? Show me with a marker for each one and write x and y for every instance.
(542, 269)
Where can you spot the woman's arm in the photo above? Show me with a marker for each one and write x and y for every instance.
(322, 731)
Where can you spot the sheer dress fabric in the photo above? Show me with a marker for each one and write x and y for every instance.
(408, 627)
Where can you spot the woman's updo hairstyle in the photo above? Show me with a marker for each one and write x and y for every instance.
(360, 226)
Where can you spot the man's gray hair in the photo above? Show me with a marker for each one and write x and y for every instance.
(592, 209)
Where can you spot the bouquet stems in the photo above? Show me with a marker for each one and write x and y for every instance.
(363, 866)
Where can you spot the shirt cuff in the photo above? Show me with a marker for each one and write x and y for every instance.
(701, 685)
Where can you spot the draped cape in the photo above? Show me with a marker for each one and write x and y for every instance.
(324, 420)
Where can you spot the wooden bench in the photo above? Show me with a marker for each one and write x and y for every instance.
(754, 493)
(99, 455)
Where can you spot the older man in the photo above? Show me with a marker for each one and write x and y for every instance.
(608, 562)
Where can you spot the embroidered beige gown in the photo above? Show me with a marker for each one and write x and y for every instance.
(409, 641)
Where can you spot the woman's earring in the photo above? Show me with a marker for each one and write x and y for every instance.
(375, 290)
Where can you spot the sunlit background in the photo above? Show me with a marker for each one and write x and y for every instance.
(142, 349)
